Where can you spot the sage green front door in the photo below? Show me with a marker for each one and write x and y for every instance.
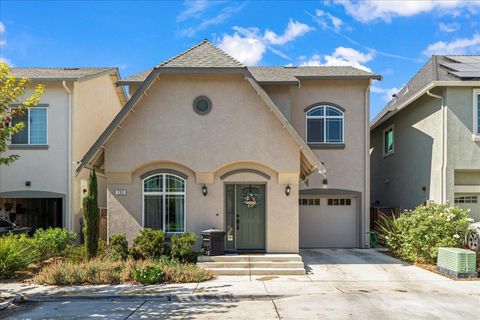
(250, 216)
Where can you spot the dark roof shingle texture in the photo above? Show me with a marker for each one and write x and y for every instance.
(57, 73)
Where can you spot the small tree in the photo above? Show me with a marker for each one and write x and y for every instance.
(91, 217)
(12, 92)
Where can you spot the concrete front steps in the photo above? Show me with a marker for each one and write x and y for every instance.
(257, 264)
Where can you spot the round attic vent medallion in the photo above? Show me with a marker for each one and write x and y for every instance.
(202, 105)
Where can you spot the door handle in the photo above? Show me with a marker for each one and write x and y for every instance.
(238, 224)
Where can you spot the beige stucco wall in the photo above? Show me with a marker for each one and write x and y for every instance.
(95, 104)
(46, 168)
(239, 132)
(463, 153)
(417, 161)
(347, 168)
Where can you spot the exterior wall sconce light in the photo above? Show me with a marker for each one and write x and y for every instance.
(325, 183)
(204, 190)
(28, 183)
(288, 189)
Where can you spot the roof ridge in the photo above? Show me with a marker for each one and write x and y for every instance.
(64, 68)
(205, 41)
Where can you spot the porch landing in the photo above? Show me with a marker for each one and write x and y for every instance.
(253, 264)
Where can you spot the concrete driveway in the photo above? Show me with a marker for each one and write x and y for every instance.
(340, 284)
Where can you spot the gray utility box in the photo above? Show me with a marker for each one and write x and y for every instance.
(213, 242)
(457, 262)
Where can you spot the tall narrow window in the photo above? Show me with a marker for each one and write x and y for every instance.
(34, 127)
(325, 125)
(164, 203)
(388, 141)
(476, 112)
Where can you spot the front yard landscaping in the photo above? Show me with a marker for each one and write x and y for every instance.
(50, 258)
(417, 234)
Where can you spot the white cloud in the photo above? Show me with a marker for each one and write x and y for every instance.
(2, 31)
(386, 93)
(341, 57)
(223, 15)
(335, 21)
(2, 27)
(193, 9)
(7, 61)
(449, 27)
(458, 46)
(294, 30)
(244, 45)
(372, 10)
(248, 45)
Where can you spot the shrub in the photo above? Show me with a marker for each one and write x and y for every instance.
(74, 254)
(16, 253)
(148, 244)
(94, 271)
(118, 247)
(52, 242)
(91, 217)
(182, 247)
(151, 274)
(416, 235)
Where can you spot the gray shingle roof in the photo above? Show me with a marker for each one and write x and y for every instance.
(206, 55)
(438, 68)
(202, 55)
(57, 73)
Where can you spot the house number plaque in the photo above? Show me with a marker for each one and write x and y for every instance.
(120, 192)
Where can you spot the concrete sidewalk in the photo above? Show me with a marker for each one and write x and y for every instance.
(340, 284)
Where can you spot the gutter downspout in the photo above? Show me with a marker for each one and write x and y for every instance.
(444, 146)
(366, 206)
(69, 213)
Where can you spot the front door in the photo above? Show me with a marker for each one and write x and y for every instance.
(250, 217)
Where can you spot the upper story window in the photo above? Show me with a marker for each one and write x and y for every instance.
(164, 202)
(476, 111)
(388, 141)
(325, 125)
(34, 127)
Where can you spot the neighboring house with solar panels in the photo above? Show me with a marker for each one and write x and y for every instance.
(275, 156)
(39, 190)
(425, 144)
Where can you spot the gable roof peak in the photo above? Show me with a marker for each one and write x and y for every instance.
(202, 55)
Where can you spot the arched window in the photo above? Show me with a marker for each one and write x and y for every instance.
(164, 202)
(324, 125)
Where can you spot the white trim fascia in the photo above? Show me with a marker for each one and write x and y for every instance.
(420, 93)
(476, 125)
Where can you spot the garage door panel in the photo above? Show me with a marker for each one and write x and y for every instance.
(324, 226)
(469, 202)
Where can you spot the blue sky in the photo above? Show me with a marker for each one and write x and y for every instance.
(392, 38)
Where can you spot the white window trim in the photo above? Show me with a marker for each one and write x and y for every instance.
(476, 129)
(386, 154)
(163, 194)
(28, 129)
(324, 117)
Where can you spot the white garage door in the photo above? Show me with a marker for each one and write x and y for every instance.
(469, 201)
(328, 222)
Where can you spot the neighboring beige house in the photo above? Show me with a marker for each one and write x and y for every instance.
(40, 189)
(275, 156)
(425, 144)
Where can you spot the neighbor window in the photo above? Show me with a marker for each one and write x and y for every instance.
(34, 127)
(164, 203)
(388, 141)
(325, 125)
(466, 199)
(476, 112)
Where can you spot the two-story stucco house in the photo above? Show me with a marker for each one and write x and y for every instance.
(275, 156)
(426, 142)
(40, 189)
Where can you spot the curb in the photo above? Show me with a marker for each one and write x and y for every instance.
(152, 297)
(10, 301)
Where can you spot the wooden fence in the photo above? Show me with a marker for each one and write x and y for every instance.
(375, 213)
(103, 223)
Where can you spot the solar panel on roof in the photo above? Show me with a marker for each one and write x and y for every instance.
(461, 66)
(467, 74)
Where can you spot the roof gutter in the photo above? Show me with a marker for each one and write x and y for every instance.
(444, 145)
(69, 212)
(420, 93)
